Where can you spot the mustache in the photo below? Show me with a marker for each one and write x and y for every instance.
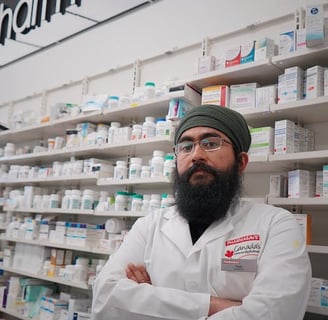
(200, 166)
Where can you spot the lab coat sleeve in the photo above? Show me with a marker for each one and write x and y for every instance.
(116, 297)
(282, 284)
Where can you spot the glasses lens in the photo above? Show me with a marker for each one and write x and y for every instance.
(184, 147)
(211, 143)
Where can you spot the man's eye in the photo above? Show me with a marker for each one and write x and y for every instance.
(186, 147)
(209, 144)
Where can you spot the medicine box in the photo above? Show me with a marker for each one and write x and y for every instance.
(57, 257)
(301, 184)
(220, 61)
(305, 222)
(232, 56)
(264, 48)
(284, 136)
(319, 184)
(286, 42)
(266, 96)
(206, 64)
(325, 81)
(314, 79)
(262, 140)
(247, 52)
(243, 95)
(325, 181)
(318, 294)
(300, 39)
(278, 186)
(291, 85)
(218, 95)
(314, 24)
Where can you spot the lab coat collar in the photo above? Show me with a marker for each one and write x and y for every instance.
(177, 230)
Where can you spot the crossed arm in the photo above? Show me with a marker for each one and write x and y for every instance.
(139, 274)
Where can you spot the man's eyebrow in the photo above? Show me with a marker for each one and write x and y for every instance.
(203, 136)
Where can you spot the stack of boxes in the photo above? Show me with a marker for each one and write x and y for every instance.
(291, 85)
(262, 141)
(290, 137)
(314, 82)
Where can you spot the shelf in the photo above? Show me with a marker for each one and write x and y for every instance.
(52, 211)
(317, 310)
(49, 129)
(79, 285)
(124, 149)
(301, 111)
(150, 182)
(54, 181)
(312, 159)
(44, 243)
(127, 214)
(15, 314)
(157, 107)
(314, 201)
(305, 58)
(318, 249)
(263, 72)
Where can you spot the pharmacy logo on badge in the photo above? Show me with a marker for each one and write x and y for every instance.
(242, 247)
(241, 254)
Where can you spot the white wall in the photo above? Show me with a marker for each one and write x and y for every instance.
(164, 25)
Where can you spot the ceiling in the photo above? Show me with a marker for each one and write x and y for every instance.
(76, 19)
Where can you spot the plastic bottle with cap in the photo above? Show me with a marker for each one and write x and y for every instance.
(136, 204)
(168, 166)
(120, 170)
(87, 199)
(149, 90)
(75, 201)
(149, 128)
(113, 102)
(157, 164)
(155, 202)
(135, 168)
(160, 127)
(121, 201)
(113, 132)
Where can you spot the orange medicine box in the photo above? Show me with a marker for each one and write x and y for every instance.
(218, 95)
(305, 222)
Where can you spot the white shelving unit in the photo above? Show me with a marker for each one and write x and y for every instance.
(265, 72)
(312, 112)
(142, 147)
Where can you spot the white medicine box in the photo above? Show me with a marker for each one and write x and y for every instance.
(301, 184)
(262, 140)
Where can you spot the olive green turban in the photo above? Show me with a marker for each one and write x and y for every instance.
(226, 120)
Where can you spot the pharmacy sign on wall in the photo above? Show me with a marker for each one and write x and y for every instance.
(22, 16)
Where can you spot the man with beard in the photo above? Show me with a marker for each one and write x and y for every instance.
(212, 255)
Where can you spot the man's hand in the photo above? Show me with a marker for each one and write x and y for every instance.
(137, 273)
(218, 304)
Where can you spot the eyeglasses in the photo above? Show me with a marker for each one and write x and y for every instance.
(207, 144)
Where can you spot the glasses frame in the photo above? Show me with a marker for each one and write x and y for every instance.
(222, 141)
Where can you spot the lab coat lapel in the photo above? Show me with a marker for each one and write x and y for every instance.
(213, 232)
(177, 230)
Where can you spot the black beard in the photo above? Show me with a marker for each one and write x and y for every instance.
(206, 203)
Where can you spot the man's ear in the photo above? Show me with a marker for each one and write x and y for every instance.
(242, 161)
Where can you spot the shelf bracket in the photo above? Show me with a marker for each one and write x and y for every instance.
(44, 102)
(85, 85)
(11, 115)
(205, 47)
(299, 19)
(136, 74)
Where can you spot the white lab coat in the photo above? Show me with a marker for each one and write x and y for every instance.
(184, 275)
